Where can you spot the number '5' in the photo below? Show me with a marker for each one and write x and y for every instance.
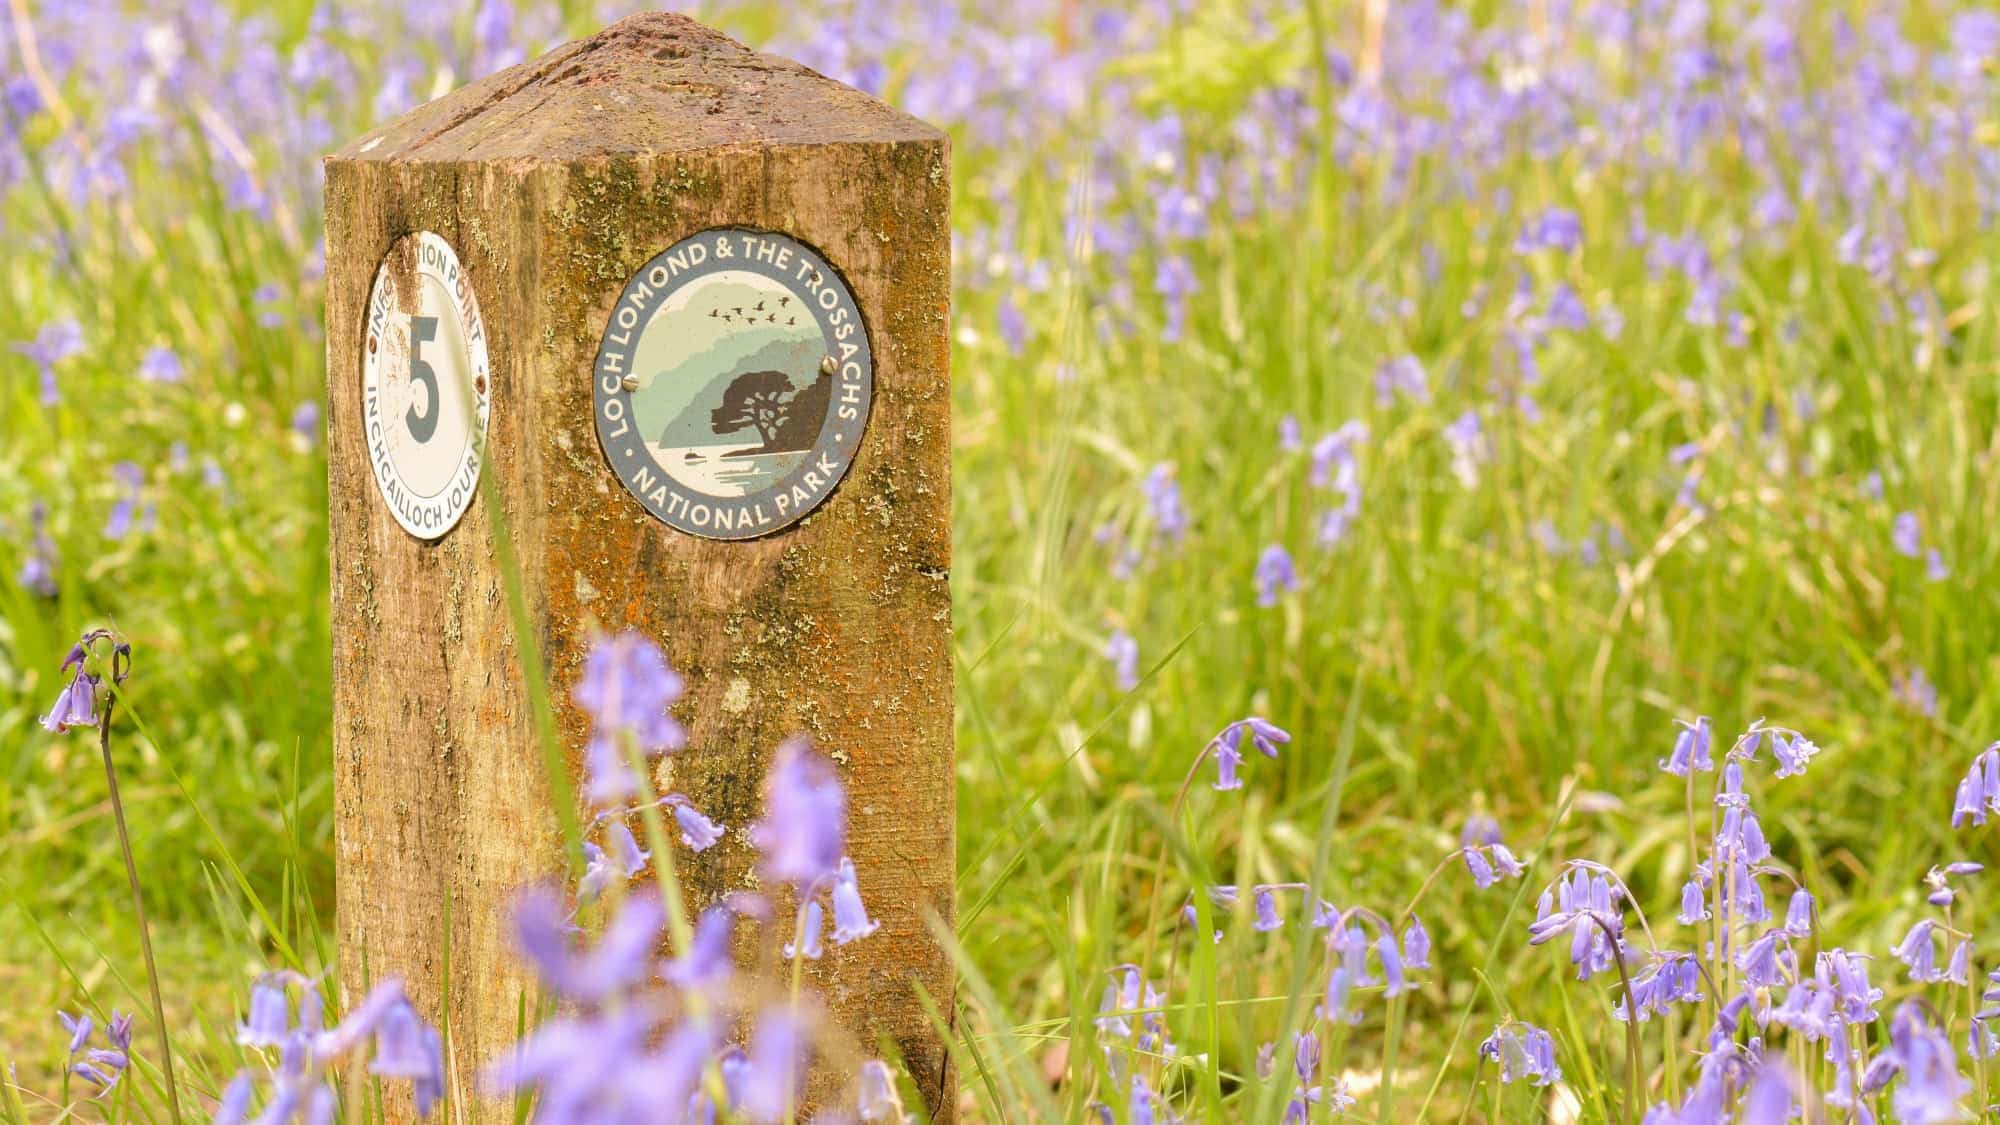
(423, 330)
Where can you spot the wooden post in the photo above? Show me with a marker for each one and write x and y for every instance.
(793, 564)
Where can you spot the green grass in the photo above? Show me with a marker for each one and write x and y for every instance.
(1436, 663)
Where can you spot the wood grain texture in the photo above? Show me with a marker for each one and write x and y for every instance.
(554, 181)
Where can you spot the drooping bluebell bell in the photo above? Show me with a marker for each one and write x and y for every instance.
(76, 704)
(810, 936)
(1799, 914)
(1691, 748)
(850, 918)
(626, 688)
(1275, 574)
(876, 1096)
(1924, 1058)
(1416, 945)
(1554, 229)
(697, 831)
(1123, 653)
(1906, 535)
(803, 834)
(1585, 909)
(1402, 376)
(1979, 792)
(1268, 918)
(778, 1053)
(161, 365)
(1227, 747)
(620, 956)
(707, 961)
(57, 341)
(1523, 1051)
(1918, 951)
(1162, 491)
(40, 563)
(1670, 978)
(1466, 439)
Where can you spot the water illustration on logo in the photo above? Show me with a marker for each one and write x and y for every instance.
(733, 383)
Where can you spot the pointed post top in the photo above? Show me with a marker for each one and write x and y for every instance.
(651, 83)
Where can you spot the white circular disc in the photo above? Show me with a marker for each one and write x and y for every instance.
(425, 387)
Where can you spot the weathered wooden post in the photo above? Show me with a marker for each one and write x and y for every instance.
(682, 307)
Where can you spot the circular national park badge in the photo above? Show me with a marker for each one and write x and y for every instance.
(733, 383)
(424, 385)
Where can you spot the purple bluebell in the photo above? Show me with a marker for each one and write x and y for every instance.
(1792, 752)
(1523, 1051)
(803, 835)
(1291, 437)
(1466, 439)
(1416, 945)
(40, 564)
(1919, 952)
(777, 1057)
(1924, 1058)
(1672, 978)
(809, 939)
(1162, 491)
(1402, 376)
(76, 704)
(1268, 918)
(126, 512)
(1586, 911)
(161, 365)
(1799, 914)
(1694, 902)
(1123, 653)
(1906, 535)
(850, 918)
(1979, 792)
(1761, 961)
(1227, 747)
(1391, 959)
(1275, 574)
(1935, 569)
(626, 688)
(269, 1022)
(1771, 1094)
(1691, 748)
(697, 831)
(620, 957)
(305, 423)
(876, 1095)
(407, 1047)
(1554, 229)
(707, 961)
(57, 341)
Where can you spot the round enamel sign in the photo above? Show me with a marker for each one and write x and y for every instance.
(425, 387)
(733, 383)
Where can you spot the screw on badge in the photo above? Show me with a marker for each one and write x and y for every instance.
(733, 383)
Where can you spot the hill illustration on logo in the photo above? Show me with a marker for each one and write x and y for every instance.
(733, 383)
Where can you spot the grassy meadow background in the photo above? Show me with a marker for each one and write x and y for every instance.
(1652, 320)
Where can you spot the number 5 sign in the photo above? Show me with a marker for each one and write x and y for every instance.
(424, 385)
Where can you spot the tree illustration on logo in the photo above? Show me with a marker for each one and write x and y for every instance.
(758, 398)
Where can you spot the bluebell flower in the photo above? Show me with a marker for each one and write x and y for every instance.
(1771, 1096)
(1466, 439)
(1554, 229)
(1291, 438)
(1416, 945)
(626, 688)
(1163, 500)
(75, 705)
(161, 365)
(777, 1063)
(1123, 653)
(1906, 535)
(1923, 1056)
(305, 422)
(1403, 375)
(57, 341)
(1694, 902)
(1585, 910)
(1523, 1051)
(1227, 747)
(40, 564)
(269, 1022)
(1671, 978)
(1391, 959)
(876, 1096)
(1799, 914)
(1919, 952)
(1759, 961)
(1691, 748)
(850, 918)
(1979, 792)
(803, 835)
(621, 956)
(1275, 573)
(707, 961)
(808, 941)
(407, 1047)
(697, 831)
(1792, 752)
(1268, 918)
